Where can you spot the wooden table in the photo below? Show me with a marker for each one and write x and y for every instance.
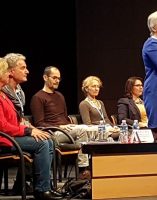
(122, 170)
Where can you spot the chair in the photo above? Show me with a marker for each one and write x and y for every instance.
(64, 149)
(75, 119)
(114, 119)
(7, 154)
(60, 149)
(29, 118)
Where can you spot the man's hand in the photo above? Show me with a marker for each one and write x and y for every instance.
(40, 135)
(67, 127)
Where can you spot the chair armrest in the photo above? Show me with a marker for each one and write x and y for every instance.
(114, 119)
(75, 119)
(13, 142)
(22, 162)
(52, 129)
(64, 147)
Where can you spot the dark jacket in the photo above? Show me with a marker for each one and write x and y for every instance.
(128, 110)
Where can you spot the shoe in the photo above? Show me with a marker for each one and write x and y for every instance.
(86, 174)
(48, 195)
(56, 193)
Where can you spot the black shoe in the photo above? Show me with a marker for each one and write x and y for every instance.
(56, 193)
(48, 195)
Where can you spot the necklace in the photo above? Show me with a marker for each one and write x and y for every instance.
(138, 101)
(94, 102)
(96, 105)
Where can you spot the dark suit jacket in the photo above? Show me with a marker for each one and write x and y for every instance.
(128, 110)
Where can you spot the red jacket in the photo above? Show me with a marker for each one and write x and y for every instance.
(8, 120)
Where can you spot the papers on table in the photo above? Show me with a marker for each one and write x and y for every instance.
(143, 136)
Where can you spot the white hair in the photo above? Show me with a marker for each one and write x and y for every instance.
(12, 59)
(152, 21)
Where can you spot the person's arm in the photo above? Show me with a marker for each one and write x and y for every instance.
(11, 126)
(123, 110)
(9, 123)
(152, 54)
(37, 109)
(65, 109)
(84, 112)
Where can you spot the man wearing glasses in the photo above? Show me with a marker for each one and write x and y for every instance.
(48, 108)
(33, 140)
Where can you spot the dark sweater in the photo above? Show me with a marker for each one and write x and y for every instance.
(49, 109)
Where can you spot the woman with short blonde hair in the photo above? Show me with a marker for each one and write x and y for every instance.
(93, 110)
(87, 81)
(3, 67)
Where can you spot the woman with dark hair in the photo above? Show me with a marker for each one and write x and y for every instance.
(131, 106)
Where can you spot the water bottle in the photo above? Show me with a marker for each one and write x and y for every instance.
(124, 126)
(135, 125)
(124, 131)
(101, 130)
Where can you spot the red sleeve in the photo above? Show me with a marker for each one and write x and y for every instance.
(8, 119)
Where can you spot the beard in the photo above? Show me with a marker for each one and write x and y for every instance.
(55, 86)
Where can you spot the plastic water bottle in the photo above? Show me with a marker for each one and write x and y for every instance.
(124, 131)
(124, 126)
(135, 125)
(101, 130)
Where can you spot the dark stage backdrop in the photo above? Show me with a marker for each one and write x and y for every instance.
(81, 37)
(110, 35)
(44, 31)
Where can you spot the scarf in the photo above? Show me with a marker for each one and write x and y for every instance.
(17, 98)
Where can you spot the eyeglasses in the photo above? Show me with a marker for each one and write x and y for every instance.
(55, 78)
(139, 85)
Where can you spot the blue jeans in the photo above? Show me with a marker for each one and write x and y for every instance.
(42, 152)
